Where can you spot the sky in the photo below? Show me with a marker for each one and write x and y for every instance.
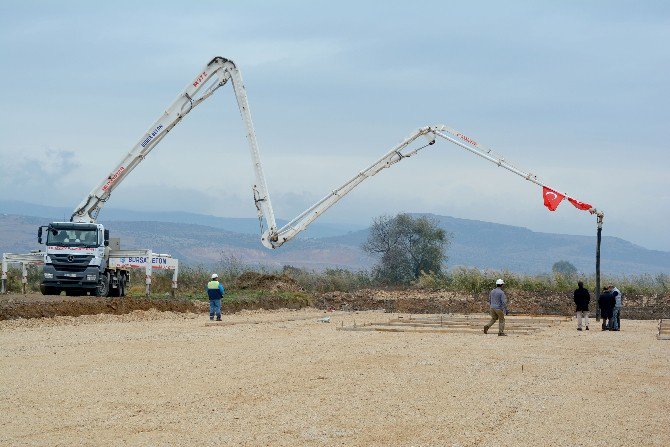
(575, 92)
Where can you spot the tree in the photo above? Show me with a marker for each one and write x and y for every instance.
(406, 246)
(564, 268)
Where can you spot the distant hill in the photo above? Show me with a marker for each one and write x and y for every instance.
(235, 224)
(487, 245)
(197, 244)
(479, 244)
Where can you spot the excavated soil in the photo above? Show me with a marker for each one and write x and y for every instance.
(38, 306)
(267, 294)
(520, 302)
(282, 378)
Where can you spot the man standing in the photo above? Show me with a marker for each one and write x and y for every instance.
(606, 303)
(582, 300)
(616, 313)
(215, 292)
(498, 302)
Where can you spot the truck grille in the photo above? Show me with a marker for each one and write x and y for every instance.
(70, 263)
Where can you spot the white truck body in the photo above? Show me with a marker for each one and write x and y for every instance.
(80, 259)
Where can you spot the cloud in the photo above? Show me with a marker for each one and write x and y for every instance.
(49, 176)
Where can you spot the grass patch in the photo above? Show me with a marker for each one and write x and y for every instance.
(193, 280)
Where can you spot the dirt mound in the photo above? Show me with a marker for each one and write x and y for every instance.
(271, 283)
(13, 309)
(520, 302)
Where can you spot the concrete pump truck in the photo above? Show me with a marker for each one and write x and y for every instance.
(81, 257)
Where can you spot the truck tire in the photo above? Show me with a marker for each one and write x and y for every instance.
(103, 286)
(120, 289)
(122, 286)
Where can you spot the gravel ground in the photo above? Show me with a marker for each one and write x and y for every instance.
(281, 378)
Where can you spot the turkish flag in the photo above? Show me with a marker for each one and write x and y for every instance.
(580, 205)
(551, 198)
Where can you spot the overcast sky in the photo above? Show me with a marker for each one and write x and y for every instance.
(576, 92)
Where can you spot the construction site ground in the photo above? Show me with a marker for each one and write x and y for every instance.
(285, 378)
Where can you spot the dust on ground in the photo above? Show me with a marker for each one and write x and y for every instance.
(283, 378)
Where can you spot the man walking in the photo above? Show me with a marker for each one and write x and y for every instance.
(582, 300)
(498, 302)
(215, 292)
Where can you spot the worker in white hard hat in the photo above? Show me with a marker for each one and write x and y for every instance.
(215, 291)
(498, 302)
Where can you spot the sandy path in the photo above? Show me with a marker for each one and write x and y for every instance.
(152, 378)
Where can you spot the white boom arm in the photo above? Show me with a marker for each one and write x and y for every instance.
(220, 69)
(396, 154)
(224, 70)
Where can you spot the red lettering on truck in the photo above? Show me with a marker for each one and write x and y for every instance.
(466, 139)
(112, 178)
(199, 79)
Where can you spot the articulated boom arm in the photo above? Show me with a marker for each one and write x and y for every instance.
(396, 154)
(222, 70)
(288, 231)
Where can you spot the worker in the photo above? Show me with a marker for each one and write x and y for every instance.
(616, 312)
(582, 299)
(498, 303)
(215, 291)
(606, 302)
(615, 324)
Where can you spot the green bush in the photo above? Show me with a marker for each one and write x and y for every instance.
(192, 281)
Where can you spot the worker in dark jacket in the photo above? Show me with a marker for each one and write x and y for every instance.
(215, 291)
(606, 303)
(582, 300)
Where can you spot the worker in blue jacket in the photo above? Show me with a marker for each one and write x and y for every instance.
(215, 292)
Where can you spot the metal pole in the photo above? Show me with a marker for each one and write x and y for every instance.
(598, 239)
(148, 270)
(24, 277)
(3, 282)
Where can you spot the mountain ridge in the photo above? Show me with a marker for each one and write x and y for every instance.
(474, 243)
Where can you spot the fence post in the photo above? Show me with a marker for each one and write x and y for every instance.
(175, 272)
(147, 272)
(3, 283)
(24, 277)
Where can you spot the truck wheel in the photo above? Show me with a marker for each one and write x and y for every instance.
(114, 291)
(103, 286)
(122, 286)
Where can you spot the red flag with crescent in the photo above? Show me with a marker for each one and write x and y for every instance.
(551, 198)
(580, 205)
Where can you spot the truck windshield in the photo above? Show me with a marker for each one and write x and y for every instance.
(72, 237)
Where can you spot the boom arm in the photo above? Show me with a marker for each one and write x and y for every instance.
(224, 70)
(396, 154)
(218, 68)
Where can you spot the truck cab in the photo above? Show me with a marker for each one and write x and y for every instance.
(76, 260)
